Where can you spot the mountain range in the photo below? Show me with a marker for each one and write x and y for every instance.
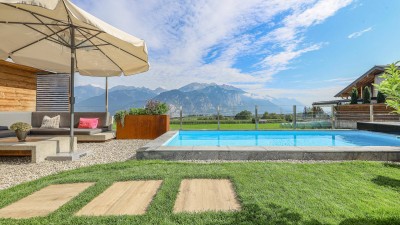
(195, 98)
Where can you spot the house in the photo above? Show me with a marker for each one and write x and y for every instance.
(372, 76)
(347, 115)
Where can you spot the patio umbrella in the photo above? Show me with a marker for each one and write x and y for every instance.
(57, 36)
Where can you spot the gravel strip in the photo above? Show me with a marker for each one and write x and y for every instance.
(16, 170)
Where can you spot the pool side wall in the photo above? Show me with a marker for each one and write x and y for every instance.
(156, 150)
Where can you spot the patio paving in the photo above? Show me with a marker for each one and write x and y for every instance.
(199, 195)
(123, 198)
(44, 201)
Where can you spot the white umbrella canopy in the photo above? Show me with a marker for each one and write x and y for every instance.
(57, 36)
(37, 33)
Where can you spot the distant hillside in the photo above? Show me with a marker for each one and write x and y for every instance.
(86, 92)
(195, 98)
(118, 98)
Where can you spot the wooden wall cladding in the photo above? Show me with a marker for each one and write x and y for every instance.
(17, 87)
(143, 127)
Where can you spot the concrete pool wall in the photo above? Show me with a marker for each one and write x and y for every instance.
(156, 150)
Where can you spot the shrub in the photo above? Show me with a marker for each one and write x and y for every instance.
(154, 107)
(137, 111)
(380, 98)
(366, 95)
(244, 115)
(289, 117)
(120, 116)
(354, 96)
(390, 87)
(20, 126)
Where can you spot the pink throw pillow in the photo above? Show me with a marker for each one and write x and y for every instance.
(88, 123)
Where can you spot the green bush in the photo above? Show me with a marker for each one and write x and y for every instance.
(120, 116)
(244, 115)
(152, 108)
(354, 96)
(156, 108)
(367, 95)
(380, 98)
(390, 86)
(137, 111)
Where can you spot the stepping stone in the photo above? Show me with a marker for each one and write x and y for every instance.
(44, 201)
(123, 198)
(200, 195)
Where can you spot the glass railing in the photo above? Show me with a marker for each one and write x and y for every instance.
(260, 117)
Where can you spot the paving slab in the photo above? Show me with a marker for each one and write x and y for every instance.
(123, 198)
(200, 195)
(44, 201)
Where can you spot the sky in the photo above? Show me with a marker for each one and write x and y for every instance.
(303, 49)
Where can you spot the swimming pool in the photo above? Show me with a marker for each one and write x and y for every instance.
(282, 138)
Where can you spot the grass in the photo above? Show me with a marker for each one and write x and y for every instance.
(246, 126)
(269, 192)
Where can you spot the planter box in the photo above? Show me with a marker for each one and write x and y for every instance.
(143, 127)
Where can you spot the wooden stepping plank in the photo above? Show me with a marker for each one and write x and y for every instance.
(44, 201)
(123, 198)
(200, 195)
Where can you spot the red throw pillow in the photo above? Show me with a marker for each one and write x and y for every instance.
(88, 123)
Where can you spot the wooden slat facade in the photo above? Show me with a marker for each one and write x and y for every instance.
(17, 87)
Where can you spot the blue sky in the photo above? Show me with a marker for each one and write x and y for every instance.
(303, 49)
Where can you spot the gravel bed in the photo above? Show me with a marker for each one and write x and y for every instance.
(16, 170)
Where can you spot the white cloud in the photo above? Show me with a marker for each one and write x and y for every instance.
(181, 35)
(359, 33)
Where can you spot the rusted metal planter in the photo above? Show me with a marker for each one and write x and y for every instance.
(143, 127)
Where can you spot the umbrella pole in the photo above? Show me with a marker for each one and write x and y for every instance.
(106, 94)
(72, 94)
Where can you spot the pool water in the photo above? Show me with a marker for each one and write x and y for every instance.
(282, 138)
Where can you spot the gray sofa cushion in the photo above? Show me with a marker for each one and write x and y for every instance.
(104, 118)
(65, 131)
(6, 133)
(3, 128)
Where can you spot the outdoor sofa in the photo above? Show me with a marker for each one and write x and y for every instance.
(5, 132)
(103, 132)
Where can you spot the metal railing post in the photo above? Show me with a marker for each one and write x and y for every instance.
(371, 113)
(256, 115)
(219, 125)
(180, 117)
(294, 117)
(333, 119)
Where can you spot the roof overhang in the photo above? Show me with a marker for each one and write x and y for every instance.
(10, 64)
(365, 78)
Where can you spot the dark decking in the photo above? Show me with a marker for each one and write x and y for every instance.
(385, 127)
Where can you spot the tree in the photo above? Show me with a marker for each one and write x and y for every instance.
(354, 96)
(380, 98)
(244, 115)
(390, 87)
(366, 95)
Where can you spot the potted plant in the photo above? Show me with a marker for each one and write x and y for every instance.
(143, 123)
(21, 130)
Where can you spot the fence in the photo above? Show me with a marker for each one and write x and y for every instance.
(259, 117)
(347, 116)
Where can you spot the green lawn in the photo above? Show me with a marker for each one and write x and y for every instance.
(270, 193)
(246, 126)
